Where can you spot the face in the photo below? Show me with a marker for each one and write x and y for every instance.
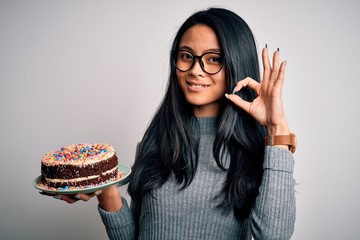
(201, 89)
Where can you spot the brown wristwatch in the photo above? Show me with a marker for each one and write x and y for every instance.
(289, 140)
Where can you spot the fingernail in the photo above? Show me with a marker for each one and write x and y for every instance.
(58, 197)
(77, 196)
(98, 192)
(227, 95)
(265, 45)
(278, 49)
(234, 90)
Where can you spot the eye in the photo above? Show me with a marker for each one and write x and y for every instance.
(185, 56)
(213, 58)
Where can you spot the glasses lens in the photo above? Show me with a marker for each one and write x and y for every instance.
(184, 60)
(210, 62)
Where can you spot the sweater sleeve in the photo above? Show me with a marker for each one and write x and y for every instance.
(120, 224)
(273, 216)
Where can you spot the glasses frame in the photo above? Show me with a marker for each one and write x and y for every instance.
(175, 55)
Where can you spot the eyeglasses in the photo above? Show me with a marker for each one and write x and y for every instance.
(210, 62)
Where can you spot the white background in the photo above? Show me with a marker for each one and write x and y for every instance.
(95, 71)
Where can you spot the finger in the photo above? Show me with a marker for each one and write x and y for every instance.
(88, 196)
(238, 101)
(247, 82)
(47, 194)
(275, 67)
(85, 197)
(74, 198)
(67, 198)
(266, 65)
(280, 80)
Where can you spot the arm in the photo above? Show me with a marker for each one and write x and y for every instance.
(273, 216)
(114, 211)
(116, 215)
(118, 218)
(110, 199)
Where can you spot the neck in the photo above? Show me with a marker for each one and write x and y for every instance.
(210, 110)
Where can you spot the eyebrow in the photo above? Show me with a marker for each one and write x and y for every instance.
(207, 50)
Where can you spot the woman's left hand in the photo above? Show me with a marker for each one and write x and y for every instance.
(267, 107)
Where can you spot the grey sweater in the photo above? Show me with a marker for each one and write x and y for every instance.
(191, 213)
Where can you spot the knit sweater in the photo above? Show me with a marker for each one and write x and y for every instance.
(192, 213)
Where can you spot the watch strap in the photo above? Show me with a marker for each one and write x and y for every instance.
(290, 140)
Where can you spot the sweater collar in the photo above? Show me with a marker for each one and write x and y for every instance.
(207, 125)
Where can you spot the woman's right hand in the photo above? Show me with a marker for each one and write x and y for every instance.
(109, 198)
(73, 198)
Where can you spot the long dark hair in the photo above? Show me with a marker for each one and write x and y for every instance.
(169, 145)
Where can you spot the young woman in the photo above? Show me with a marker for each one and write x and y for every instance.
(202, 170)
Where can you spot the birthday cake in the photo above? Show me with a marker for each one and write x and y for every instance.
(79, 165)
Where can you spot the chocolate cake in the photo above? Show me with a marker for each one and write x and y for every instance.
(79, 165)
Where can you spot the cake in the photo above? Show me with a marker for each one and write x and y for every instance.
(79, 165)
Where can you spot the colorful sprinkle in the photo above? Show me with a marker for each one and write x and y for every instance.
(78, 151)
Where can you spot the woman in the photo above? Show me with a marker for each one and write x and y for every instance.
(202, 170)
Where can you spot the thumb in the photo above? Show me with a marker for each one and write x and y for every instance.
(238, 101)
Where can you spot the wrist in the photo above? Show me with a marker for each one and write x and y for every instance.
(287, 141)
(279, 129)
(110, 199)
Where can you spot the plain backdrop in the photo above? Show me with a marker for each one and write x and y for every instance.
(95, 71)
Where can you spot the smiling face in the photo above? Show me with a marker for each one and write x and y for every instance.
(201, 89)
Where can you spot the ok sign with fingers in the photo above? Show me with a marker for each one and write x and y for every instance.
(267, 107)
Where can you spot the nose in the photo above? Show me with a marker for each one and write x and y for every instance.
(197, 68)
